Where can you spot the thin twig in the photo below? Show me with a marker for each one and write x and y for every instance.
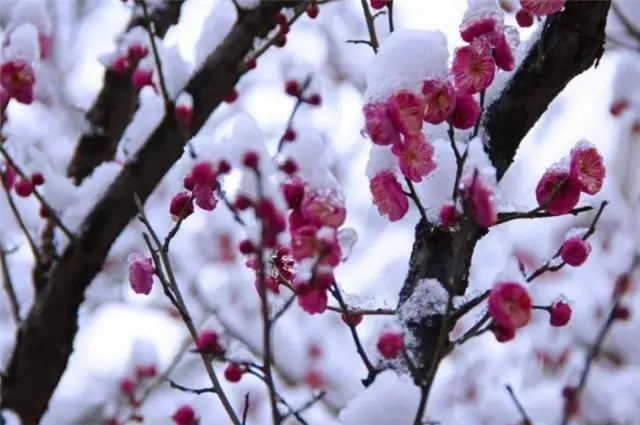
(416, 199)
(390, 9)
(23, 227)
(537, 213)
(373, 37)
(245, 413)
(197, 391)
(299, 102)
(354, 311)
(523, 413)
(474, 331)
(308, 405)
(7, 284)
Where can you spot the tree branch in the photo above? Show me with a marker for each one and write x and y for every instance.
(116, 103)
(45, 341)
(570, 43)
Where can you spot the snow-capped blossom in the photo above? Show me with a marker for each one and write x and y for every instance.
(587, 168)
(478, 27)
(121, 65)
(502, 52)
(390, 344)
(203, 180)
(183, 111)
(473, 66)
(480, 199)
(556, 192)
(293, 192)
(323, 207)
(543, 7)
(524, 18)
(406, 111)
(503, 333)
(466, 111)
(185, 415)
(312, 299)
(439, 99)
(203, 174)
(509, 305)
(141, 78)
(137, 51)
(181, 205)
(415, 156)
(448, 214)
(378, 124)
(140, 273)
(209, 342)
(388, 195)
(18, 78)
(233, 372)
(309, 242)
(574, 251)
(559, 314)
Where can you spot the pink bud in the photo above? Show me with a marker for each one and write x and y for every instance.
(466, 111)
(448, 214)
(224, 166)
(293, 193)
(127, 386)
(622, 312)
(292, 87)
(477, 27)
(617, 108)
(250, 160)
(136, 52)
(203, 174)
(242, 203)
(247, 247)
(313, 10)
(232, 96)
(181, 205)
(121, 65)
(311, 299)
(37, 179)
(503, 333)
(289, 135)
(289, 167)
(141, 78)
(185, 415)
(390, 344)
(524, 18)
(23, 188)
(509, 305)
(352, 319)
(233, 372)
(574, 251)
(559, 314)
(379, 4)
(140, 273)
(208, 342)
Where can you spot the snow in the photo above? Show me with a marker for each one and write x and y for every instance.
(23, 44)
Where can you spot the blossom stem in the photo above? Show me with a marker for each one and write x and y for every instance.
(294, 111)
(373, 37)
(7, 283)
(526, 420)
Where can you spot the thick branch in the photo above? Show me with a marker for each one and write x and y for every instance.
(45, 341)
(116, 103)
(569, 44)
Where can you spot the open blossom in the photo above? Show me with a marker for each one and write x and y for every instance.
(406, 111)
(556, 192)
(481, 200)
(439, 100)
(502, 53)
(18, 78)
(477, 27)
(466, 111)
(587, 168)
(312, 299)
(473, 67)
(415, 156)
(388, 195)
(509, 305)
(310, 242)
(323, 208)
(574, 251)
(543, 7)
(140, 273)
(379, 126)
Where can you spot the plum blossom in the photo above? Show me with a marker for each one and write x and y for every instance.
(473, 66)
(556, 192)
(323, 207)
(439, 99)
(202, 182)
(406, 111)
(181, 206)
(587, 168)
(478, 27)
(524, 18)
(309, 242)
(542, 7)
(466, 111)
(509, 305)
(18, 78)
(388, 195)
(379, 126)
(140, 273)
(479, 197)
(448, 214)
(415, 156)
(390, 344)
(502, 52)
(574, 251)
(185, 415)
(559, 314)
(312, 299)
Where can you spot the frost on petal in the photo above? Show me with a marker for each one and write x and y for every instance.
(388, 196)
(439, 100)
(379, 126)
(323, 207)
(406, 111)
(473, 67)
(543, 7)
(405, 60)
(510, 305)
(480, 17)
(587, 167)
(416, 157)
(380, 159)
(556, 192)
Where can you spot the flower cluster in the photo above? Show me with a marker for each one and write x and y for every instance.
(200, 186)
(559, 189)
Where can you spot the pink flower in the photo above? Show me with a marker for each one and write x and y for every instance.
(185, 415)
(556, 192)
(127, 386)
(140, 273)
(587, 168)
(502, 54)
(524, 18)
(439, 99)
(575, 251)
(293, 192)
(208, 342)
(406, 111)
(390, 344)
(388, 195)
(203, 181)
(503, 333)
(466, 112)
(448, 214)
(509, 305)
(476, 28)
(141, 78)
(415, 156)
(307, 243)
(543, 7)
(559, 314)
(473, 67)
(379, 126)
(17, 78)
(9, 175)
(181, 205)
(205, 198)
(183, 114)
(313, 300)
(480, 198)
(323, 208)
(23, 188)
(233, 372)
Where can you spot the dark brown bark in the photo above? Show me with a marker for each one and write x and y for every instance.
(570, 43)
(45, 341)
(115, 104)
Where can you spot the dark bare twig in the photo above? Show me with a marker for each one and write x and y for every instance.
(523, 413)
(197, 391)
(309, 404)
(299, 102)
(245, 413)
(536, 213)
(7, 284)
(16, 214)
(373, 37)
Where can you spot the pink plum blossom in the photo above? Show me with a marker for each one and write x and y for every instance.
(379, 126)
(587, 168)
(323, 208)
(574, 251)
(18, 78)
(415, 156)
(543, 7)
(473, 67)
(388, 195)
(556, 192)
(477, 27)
(509, 305)
(406, 111)
(481, 201)
(466, 112)
(140, 273)
(439, 99)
